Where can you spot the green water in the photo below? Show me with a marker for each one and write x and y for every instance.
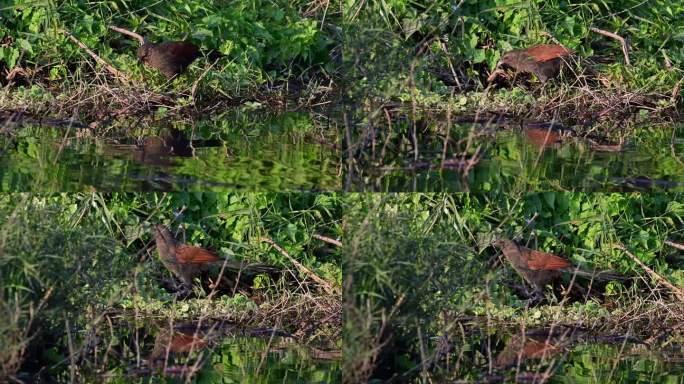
(504, 158)
(209, 354)
(596, 359)
(288, 151)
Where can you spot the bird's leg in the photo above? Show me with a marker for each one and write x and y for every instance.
(184, 289)
(537, 295)
(183, 292)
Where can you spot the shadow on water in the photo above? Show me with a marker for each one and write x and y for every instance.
(540, 356)
(288, 151)
(204, 351)
(397, 153)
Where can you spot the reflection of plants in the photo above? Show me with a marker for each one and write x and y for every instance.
(384, 152)
(279, 152)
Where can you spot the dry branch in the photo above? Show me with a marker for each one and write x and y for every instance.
(623, 42)
(328, 240)
(326, 286)
(675, 245)
(678, 292)
(129, 33)
(97, 58)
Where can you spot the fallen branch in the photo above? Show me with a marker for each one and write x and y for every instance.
(675, 290)
(328, 240)
(675, 91)
(193, 91)
(623, 42)
(675, 245)
(97, 58)
(129, 33)
(326, 286)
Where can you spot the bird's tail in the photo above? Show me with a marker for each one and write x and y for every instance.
(598, 275)
(246, 267)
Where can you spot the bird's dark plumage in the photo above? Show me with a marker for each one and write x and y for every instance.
(171, 57)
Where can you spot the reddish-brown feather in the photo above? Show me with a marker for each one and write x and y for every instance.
(546, 261)
(543, 137)
(545, 52)
(181, 342)
(190, 254)
(534, 349)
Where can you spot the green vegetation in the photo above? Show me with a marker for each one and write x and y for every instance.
(269, 49)
(398, 45)
(411, 58)
(73, 264)
(426, 291)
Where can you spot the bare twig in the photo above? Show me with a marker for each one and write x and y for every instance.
(326, 286)
(328, 240)
(666, 59)
(675, 245)
(97, 58)
(678, 292)
(193, 92)
(675, 91)
(552, 37)
(623, 42)
(129, 33)
(448, 57)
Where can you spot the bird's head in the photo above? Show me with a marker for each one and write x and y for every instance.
(512, 59)
(500, 241)
(143, 51)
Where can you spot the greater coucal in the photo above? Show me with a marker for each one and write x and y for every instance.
(543, 60)
(521, 348)
(540, 268)
(171, 57)
(187, 262)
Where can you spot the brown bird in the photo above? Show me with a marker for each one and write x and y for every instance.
(187, 262)
(171, 57)
(543, 60)
(521, 348)
(178, 341)
(543, 137)
(540, 268)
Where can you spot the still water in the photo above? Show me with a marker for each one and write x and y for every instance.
(430, 154)
(236, 151)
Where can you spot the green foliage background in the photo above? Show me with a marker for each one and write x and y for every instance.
(72, 257)
(261, 40)
(383, 38)
(416, 260)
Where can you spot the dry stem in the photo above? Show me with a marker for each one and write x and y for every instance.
(326, 286)
(129, 33)
(679, 293)
(623, 42)
(97, 58)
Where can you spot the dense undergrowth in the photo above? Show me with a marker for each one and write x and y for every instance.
(439, 54)
(421, 275)
(72, 263)
(270, 51)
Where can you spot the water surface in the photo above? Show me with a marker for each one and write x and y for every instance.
(508, 156)
(244, 151)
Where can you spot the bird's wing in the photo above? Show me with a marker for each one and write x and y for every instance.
(546, 52)
(546, 261)
(536, 349)
(190, 254)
